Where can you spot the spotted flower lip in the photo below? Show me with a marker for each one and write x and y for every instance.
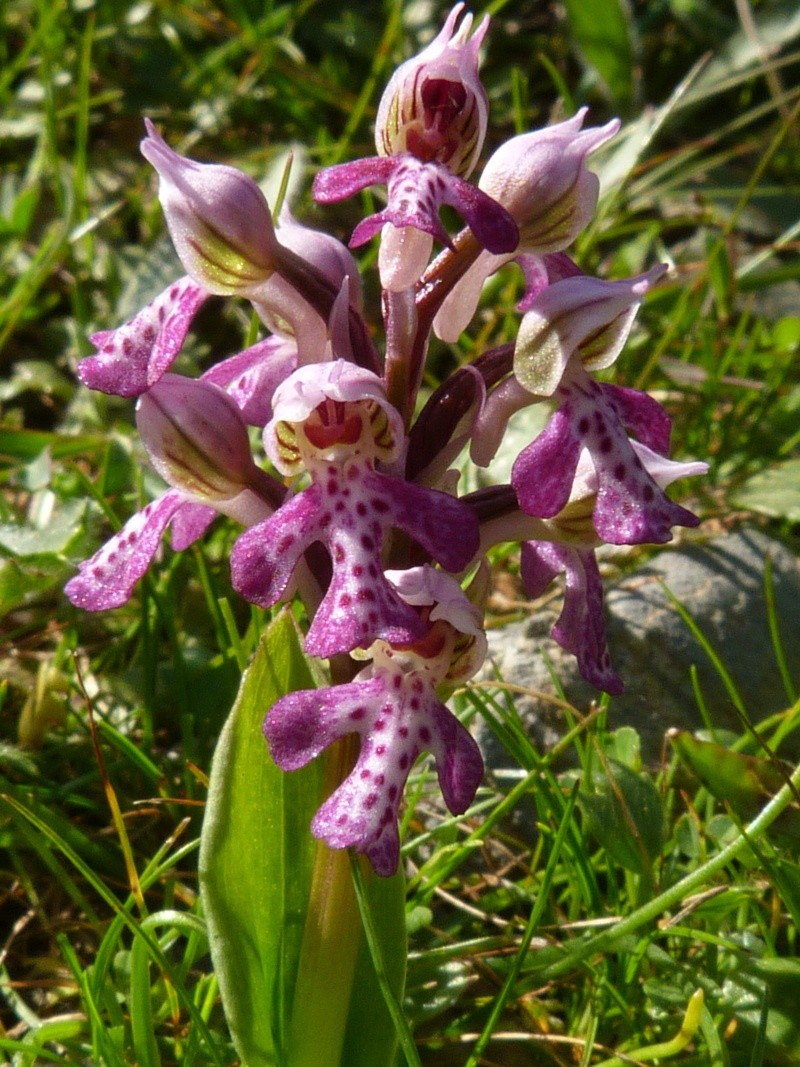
(107, 579)
(631, 507)
(350, 507)
(393, 706)
(197, 440)
(136, 355)
(218, 218)
(434, 105)
(580, 628)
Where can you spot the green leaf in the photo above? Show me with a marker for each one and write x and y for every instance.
(624, 813)
(774, 491)
(18, 580)
(759, 988)
(747, 783)
(28, 444)
(601, 29)
(61, 531)
(256, 856)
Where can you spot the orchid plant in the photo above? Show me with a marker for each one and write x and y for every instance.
(353, 508)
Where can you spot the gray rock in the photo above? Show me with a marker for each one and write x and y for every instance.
(720, 582)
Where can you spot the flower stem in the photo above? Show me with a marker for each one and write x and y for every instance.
(331, 942)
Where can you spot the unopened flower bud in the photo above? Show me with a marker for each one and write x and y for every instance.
(435, 106)
(581, 317)
(218, 218)
(542, 180)
(196, 438)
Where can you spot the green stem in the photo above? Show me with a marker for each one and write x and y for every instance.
(331, 943)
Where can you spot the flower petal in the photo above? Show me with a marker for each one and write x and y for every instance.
(543, 472)
(265, 556)
(107, 579)
(251, 377)
(442, 524)
(580, 629)
(189, 523)
(360, 606)
(133, 357)
(346, 179)
(418, 190)
(642, 416)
